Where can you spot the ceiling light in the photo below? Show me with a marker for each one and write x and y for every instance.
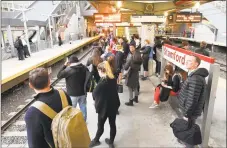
(197, 5)
(119, 4)
(166, 14)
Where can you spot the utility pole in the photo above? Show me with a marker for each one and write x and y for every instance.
(25, 25)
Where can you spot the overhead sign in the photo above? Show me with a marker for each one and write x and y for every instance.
(107, 17)
(188, 17)
(178, 57)
(147, 19)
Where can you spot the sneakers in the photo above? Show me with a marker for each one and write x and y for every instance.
(154, 106)
(94, 143)
(130, 103)
(111, 145)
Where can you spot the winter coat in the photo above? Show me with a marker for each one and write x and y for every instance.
(119, 60)
(106, 97)
(202, 51)
(38, 125)
(193, 93)
(76, 78)
(125, 49)
(133, 65)
(145, 50)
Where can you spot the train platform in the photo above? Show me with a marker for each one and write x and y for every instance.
(137, 126)
(198, 41)
(15, 71)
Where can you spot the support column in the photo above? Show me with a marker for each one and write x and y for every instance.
(10, 38)
(114, 29)
(38, 37)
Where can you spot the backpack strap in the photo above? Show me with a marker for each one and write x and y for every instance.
(44, 108)
(64, 100)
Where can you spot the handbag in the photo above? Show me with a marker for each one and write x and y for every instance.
(119, 88)
(186, 131)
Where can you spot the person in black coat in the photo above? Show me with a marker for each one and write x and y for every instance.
(20, 49)
(106, 103)
(123, 42)
(191, 102)
(38, 125)
(132, 65)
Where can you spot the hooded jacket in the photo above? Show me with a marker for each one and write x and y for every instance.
(193, 93)
(76, 76)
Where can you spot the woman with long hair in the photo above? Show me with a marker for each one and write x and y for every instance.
(95, 59)
(145, 50)
(165, 84)
(106, 103)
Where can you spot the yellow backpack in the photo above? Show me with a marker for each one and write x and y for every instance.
(68, 127)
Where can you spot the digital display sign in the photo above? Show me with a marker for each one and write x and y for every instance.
(107, 17)
(188, 17)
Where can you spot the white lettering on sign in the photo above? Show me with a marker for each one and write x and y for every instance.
(175, 57)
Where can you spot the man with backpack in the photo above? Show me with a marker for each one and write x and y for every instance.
(77, 76)
(19, 46)
(39, 124)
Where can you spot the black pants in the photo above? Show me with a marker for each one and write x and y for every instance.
(101, 123)
(20, 54)
(26, 52)
(158, 67)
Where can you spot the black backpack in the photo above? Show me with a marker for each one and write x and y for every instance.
(181, 80)
(16, 44)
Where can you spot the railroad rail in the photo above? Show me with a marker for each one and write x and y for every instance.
(222, 65)
(21, 111)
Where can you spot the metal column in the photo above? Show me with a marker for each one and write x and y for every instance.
(10, 39)
(209, 103)
(26, 31)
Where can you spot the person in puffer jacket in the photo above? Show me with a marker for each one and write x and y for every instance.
(193, 92)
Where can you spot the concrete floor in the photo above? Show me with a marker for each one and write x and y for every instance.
(138, 126)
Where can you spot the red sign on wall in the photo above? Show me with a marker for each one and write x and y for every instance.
(107, 17)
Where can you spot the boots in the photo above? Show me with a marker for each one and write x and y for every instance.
(136, 99)
(130, 103)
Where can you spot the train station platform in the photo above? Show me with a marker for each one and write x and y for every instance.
(15, 71)
(198, 41)
(137, 126)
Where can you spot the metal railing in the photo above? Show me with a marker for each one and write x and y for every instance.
(220, 5)
(13, 5)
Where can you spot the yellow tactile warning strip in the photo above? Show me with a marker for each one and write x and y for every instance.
(47, 61)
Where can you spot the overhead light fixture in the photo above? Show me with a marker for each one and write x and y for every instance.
(119, 4)
(114, 9)
(197, 5)
(165, 14)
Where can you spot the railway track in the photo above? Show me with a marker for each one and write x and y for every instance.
(222, 66)
(14, 129)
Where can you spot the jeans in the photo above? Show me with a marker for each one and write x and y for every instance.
(82, 103)
(101, 123)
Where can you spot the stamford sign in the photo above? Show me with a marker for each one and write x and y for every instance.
(178, 57)
(175, 57)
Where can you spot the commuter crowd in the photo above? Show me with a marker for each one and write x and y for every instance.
(113, 59)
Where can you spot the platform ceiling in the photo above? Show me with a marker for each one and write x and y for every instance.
(143, 7)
